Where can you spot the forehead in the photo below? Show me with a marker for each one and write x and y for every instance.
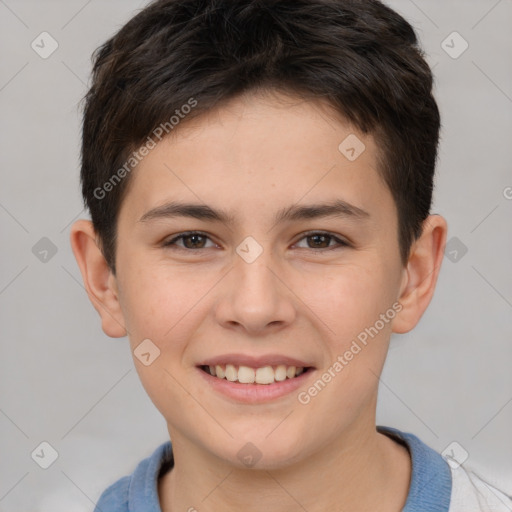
(258, 153)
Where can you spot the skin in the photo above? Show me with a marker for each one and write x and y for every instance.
(253, 156)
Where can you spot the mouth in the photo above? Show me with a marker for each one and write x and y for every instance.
(263, 375)
(255, 379)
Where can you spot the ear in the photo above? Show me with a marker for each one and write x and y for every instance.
(99, 281)
(421, 273)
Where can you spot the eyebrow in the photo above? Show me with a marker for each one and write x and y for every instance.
(337, 208)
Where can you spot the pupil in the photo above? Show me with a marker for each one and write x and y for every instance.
(192, 237)
(324, 237)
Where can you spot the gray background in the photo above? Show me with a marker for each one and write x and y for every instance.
(65, 382)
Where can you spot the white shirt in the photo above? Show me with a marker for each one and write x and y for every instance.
(470, 493)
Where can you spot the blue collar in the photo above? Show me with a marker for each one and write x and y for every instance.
(431, 479)
(429, 491)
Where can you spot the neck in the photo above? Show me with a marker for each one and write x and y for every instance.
(365, 470)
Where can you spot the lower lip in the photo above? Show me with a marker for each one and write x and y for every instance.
(255, 393)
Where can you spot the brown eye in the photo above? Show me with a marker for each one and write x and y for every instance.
(319, 240)
(193, 240)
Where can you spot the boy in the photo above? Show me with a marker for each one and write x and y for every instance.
(259, 176)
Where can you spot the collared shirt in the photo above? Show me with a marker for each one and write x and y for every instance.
(436, 485)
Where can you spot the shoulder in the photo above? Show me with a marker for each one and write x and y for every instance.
(440, 484)
(115, 497)
(470, 492)
(138, 491)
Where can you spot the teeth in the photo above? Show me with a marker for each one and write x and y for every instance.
(231, 373)
(247, 375)
(219, 372)
(265, 375)
(280, 373)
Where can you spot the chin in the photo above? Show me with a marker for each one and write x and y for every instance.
(264, 453)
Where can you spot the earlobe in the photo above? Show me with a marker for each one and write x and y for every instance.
(100, 284)
(420, 275)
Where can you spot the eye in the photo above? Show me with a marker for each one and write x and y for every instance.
(322, 240)
(194, 240)
(191, 240)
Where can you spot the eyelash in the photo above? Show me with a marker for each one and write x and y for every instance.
(171, 244)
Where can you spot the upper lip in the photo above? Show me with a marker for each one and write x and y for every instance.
(255, 361)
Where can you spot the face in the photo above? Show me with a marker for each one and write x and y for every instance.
(289, 260)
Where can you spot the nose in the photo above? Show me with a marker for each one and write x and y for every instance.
(255, 297)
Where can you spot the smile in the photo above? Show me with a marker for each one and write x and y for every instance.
(255, 379)
(247, 375)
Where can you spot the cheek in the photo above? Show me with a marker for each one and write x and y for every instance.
(159, 302)
(349, 304)
(348, 298)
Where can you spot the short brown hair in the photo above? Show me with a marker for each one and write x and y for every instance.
(359, 55)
